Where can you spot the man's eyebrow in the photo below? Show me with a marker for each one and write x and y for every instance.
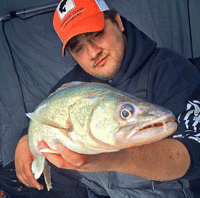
(93, 33)
(89, 34)
(73, 43)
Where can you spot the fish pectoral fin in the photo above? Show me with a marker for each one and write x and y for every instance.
(47, 175)
(35, 116)
(30, 115)
(48, 150)
(40, 166)
(37, 166)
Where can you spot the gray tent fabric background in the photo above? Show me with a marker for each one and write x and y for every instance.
(30, 51)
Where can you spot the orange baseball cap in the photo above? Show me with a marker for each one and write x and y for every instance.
(73, 17)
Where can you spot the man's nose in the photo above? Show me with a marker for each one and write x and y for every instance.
(93, 49)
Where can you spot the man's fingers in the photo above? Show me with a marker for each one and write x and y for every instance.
(58, 161)
(29, 180)
(23, 161)
(25, 176)
(42, 145)
(30, 183)
(55, 159)
(67, 158)
(72, 157)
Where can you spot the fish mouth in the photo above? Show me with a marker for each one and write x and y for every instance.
(157, 124)
(153, 132)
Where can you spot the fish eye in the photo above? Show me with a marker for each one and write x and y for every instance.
(127, 111)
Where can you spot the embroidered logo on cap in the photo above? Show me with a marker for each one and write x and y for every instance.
(65, 7)
(102, 5)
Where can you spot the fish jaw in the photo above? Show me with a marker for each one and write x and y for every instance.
(145, 122)
(151, 132)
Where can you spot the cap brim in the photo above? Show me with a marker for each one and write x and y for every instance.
(91, 24)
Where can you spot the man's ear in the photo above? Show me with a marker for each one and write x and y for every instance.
(119, 21)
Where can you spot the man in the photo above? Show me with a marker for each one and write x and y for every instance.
(111, 50)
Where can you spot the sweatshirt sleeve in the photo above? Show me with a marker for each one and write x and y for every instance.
(188, 132)
(176, 86)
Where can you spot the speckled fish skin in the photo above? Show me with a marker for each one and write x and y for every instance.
(92, 118)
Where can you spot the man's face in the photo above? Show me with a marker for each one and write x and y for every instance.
(100, 53)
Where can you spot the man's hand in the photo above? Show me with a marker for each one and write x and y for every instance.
(23, 161)
(68, 159)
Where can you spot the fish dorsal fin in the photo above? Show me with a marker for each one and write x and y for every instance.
(67, 85)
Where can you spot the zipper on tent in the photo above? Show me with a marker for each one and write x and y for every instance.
(17, 73)
(14, 14)
(190, 29)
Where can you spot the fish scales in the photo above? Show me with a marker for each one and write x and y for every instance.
(91, 118)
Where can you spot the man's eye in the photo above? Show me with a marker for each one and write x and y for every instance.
(99, 33)
(78, 49)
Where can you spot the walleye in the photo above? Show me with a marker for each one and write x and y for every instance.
(91, 118)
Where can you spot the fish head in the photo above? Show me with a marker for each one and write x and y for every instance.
(122, 121)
